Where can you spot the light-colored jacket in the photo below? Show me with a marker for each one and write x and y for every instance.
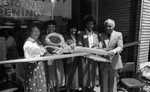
(114, 43)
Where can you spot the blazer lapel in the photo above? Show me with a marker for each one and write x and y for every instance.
(111, 39)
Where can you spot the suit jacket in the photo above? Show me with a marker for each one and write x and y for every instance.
(89, 73)
(83, 39)
(114, 43)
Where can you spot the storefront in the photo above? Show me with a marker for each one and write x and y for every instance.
(132, 19)
(23, 12)
(33, 10)
(126, 15)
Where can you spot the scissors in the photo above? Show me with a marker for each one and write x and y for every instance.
(56, 41)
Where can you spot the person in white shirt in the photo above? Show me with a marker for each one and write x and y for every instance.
(36, 76)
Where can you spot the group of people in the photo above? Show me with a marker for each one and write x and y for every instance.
(50, 75)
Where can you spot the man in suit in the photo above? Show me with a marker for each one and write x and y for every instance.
(111, 41)
(88, 38)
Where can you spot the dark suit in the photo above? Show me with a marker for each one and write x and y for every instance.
(109, 70)
(71, 66)
(89, 66)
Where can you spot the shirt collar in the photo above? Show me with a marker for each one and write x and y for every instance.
(89, 33)
(31, 39)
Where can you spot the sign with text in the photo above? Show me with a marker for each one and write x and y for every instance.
(35, 9)
(29, 9)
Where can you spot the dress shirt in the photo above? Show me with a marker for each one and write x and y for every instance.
(90, 39)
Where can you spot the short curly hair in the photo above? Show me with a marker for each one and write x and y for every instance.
(50, 22)
(110, 21)
(88, 18)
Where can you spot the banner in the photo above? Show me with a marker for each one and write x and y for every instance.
(34, 9)
(24, 9)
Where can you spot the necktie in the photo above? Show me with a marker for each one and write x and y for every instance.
(108, 35)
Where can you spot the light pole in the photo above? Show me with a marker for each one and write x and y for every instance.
(52, 9)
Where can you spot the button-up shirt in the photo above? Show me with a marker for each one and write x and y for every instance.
(90, 39)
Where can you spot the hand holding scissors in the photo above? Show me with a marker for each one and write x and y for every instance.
(55, 40)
